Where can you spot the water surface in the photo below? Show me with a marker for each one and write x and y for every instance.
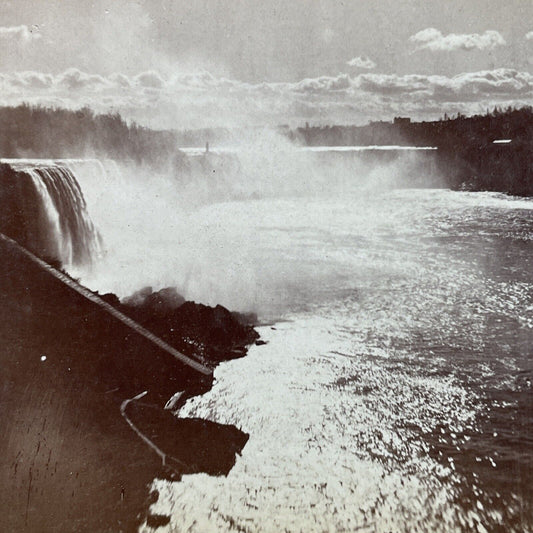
(394, 393)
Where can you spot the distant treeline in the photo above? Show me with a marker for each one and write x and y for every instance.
(467, 153)
(27, 131)
(446, 132)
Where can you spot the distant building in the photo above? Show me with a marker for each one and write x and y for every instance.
(402, 120)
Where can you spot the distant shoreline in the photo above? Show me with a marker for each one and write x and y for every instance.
(198, 150)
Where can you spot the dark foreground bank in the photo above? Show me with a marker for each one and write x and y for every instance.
(69, 460)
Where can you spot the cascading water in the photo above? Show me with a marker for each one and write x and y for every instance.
(44, 209)
(49, 207)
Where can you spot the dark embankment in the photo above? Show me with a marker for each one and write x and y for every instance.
(506, 168)
(69, 459)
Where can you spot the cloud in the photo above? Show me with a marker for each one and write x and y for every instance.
(21, 34)
(75, 79)
(394, 85)
(465, 87)
(34, 80)
(150, 80)
(120, 80)
(529, 35)
(200, 80)
(434, 40)
(361, 62)
(322, 84)
(200, 99)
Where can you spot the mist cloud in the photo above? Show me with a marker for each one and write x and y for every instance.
(435, 41)
(75, 79)
(529, 35)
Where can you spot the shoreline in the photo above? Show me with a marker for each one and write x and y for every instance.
(69, 459)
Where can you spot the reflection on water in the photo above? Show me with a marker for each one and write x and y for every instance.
(397, 395)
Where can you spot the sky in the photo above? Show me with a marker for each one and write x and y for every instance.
(187, 64)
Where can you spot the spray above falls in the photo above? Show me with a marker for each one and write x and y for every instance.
(119, 227)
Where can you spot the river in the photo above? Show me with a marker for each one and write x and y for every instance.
(395, 389)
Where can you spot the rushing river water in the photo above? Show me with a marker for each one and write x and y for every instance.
(395, 391)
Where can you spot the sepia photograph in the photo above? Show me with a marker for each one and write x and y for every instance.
(266, 266)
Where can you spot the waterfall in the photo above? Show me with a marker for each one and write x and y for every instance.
(169, 227)
(44, 209)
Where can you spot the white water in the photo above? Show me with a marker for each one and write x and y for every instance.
(399, 307)
(183, 229)
(198, 151)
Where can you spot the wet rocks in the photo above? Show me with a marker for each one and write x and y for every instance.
(213, 333)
